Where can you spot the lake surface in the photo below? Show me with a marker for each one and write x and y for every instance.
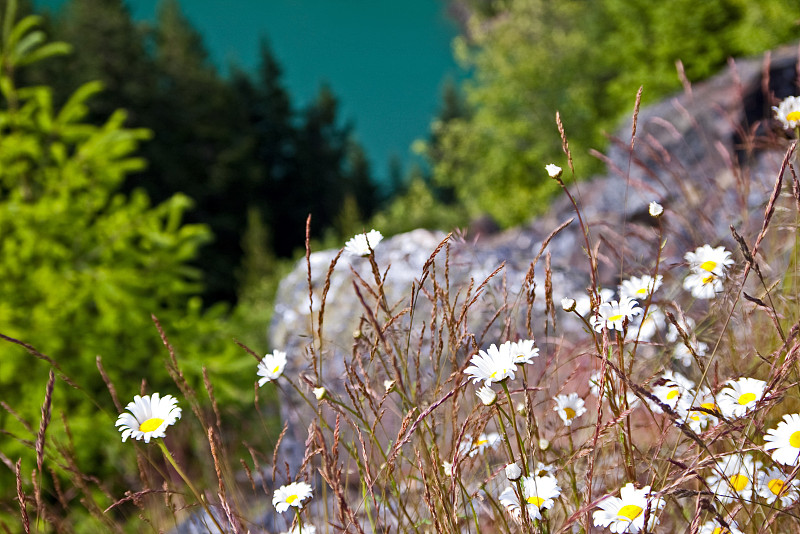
(386, 61)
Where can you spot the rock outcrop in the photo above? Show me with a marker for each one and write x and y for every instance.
(697, 153)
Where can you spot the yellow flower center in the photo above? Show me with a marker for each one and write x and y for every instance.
(641, 291)
(739, 482)
(775, 486)
(794, 439)
(291, 498)
(630, 511)
(615, 318)
(536, 501)
(151, 424)
(709, 406)
(793, 116)
(708, 265)
(720, 530)
(746, 398)
(708, 279)
(480, 442)
(570, 412)
(277, 368)
(672, 394)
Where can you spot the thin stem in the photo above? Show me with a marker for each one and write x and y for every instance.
(197, 496)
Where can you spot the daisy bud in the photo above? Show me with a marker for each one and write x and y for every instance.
(388, 385)
(320, 393)
(568, 304)
(448, 468)
(553, 170)
(544, 444)
(513, 472)
(656, 209)
(487, 395)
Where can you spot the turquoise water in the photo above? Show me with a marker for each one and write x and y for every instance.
(385, 60)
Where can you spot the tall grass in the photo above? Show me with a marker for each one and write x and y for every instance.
(401, 442)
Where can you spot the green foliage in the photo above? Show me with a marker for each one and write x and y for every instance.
(83, 267)
(586, 60)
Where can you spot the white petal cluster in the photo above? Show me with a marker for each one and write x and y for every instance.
(472, 448)
(486, 395)
(360, 244)
(614, 315)
(498, 363)
(708, 267)
(740, 397)
(569, 407)
(554, 171)
(271, 367)
(627, 512)
(537, 492)
(734, 478)
(674, 390)
(655, 209)
(583, 305)
(714, 527)
(773, 484)
(788, 112)
(784, 441)
(291, 495)
(149, 417)
(640, 287)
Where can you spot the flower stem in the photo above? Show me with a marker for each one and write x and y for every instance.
(197, 496)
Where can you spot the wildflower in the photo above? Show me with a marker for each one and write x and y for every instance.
(584, 304)
(291, 495)
(569, 407)
(626, 513)
(538, 493)
(639, 287)
(542, 470)
(773, 484)
(492, 365)
(673, 390)
(320, 393)
(544, 444)
(700, 420)
(554, 171)
(513, 472)
(522, 351)
(709, 260)
(149, 417)
(614, 315)
(714, 527)
(484, 441)
(682, 353)
(568, 304)
(645, 329)
(448, 468)
(487, 395)
(594, 383)
(656, 209)
(271, 367)
(703, 285)
(733, 478)
(687, 324)
(788, 112)
(360, 244)
(740, 397)
(784, 441)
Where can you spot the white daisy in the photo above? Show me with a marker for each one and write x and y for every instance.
(645, 328)
(655, 209)
(584, 303)
(700, 420)
(674, 390)
(485, 441)
(773, 484)
(613, 315)
(522, 351)
(486, 395)
(788, 112)
(291, 495)
(538, 493)
(448, 468)
(682, 353)
(542, 469)
(627, 512)
(714, 527)
(492, 365)
(149, 417)
(569, 407)
(740, 397)
(733, 478)
(703, 285)
(639, 287)
(709, 260)
(271, 367)
(784, 441)
(687, 324)
(360, 244)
